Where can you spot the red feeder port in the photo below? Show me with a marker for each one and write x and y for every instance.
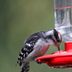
(59, 59)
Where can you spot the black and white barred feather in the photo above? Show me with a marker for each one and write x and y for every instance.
(26, 50)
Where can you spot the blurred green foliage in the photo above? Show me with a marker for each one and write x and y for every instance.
(19, 19)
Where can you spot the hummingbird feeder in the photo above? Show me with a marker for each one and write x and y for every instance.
(63, 24)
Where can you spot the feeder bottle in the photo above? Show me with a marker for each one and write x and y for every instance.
(63, 18)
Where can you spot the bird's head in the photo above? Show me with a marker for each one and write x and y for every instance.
(57, 38)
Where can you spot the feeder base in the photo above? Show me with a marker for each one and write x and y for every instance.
(60, 59)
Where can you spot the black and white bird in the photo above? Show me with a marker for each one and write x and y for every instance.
(37, 45)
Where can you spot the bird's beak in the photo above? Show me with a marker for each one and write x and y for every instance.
(58, 46)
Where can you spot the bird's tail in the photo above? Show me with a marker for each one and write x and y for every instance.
(25, 67)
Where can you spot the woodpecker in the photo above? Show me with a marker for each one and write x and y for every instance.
(37, 45)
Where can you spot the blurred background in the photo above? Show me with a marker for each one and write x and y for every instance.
(19, 19)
